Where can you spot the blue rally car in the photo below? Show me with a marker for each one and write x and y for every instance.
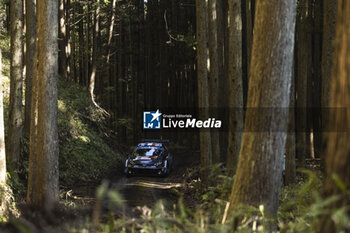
(150, 155)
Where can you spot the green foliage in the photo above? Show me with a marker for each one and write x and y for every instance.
(86, 153)
(301, 208)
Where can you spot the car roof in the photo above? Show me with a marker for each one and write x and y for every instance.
(153, 144)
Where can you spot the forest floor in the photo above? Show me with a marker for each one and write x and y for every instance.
(144, 190)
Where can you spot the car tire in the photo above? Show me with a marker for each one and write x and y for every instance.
(166, 170)
(127, 172)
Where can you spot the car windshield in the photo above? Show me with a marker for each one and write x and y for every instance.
(150, 151)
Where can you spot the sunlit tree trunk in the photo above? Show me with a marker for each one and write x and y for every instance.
(236, 85)
(337, 157)
(16, 84)
(2, 145)
(259, 172)
(47, 137)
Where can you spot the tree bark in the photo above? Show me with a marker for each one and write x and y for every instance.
(47, 136)
(203, 84)
(213, 75)
(2, 134)
(236, 85)
(16, 85)
(329, 27)
(3, 206)
(304, 52)
(290, 166)
(338, 147)
(94, 53)
(30, 53)
(62, 40)
(259, 172)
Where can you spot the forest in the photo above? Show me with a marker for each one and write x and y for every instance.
(174, 116)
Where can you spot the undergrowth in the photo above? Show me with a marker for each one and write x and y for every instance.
(301, 207)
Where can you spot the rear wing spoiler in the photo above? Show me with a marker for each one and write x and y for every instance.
(164, 141)
(156, 140)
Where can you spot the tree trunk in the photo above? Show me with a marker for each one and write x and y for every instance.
(62, 40)
(16, 84)
(259, 172)
(214, 75)
(290, 166)
(2, 133)
(338, 148)
(30, 53)
(47, 137)
(33, 162)
(3, 206)
(304, 45)
(329, 25)
(203, 84)
(236, 85)
(94, 53)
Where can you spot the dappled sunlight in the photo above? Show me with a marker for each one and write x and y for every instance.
(154, 184)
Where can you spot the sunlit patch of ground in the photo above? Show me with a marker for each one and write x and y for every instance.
(154, 184)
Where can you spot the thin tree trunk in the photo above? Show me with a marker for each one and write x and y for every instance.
(337, 157)
(33, 162)
(236, 85)
(62, 40)
(290, 166)
(3, 206)
(2, 134)
(30, 51)
(16, 84)
(203, 84)
(213, 75)
(328, 48)
(259, 172)
(95, 55)
(304, 45)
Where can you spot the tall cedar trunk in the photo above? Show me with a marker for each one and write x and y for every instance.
(304, 45)
(249, 24)
(47, 136)
(329, 21)
(30, 51)
(214, 75)
(259, 172)
(202, 73)
(94, 52)
(290, 166)
(317, 73)
(16, 84)
(338, 148)
(33, 162)
(2, 134)
(236, 85)
(3, 206)
(68, 40)
(223, 71)
(62, 70)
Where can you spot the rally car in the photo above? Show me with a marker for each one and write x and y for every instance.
(150, 155)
